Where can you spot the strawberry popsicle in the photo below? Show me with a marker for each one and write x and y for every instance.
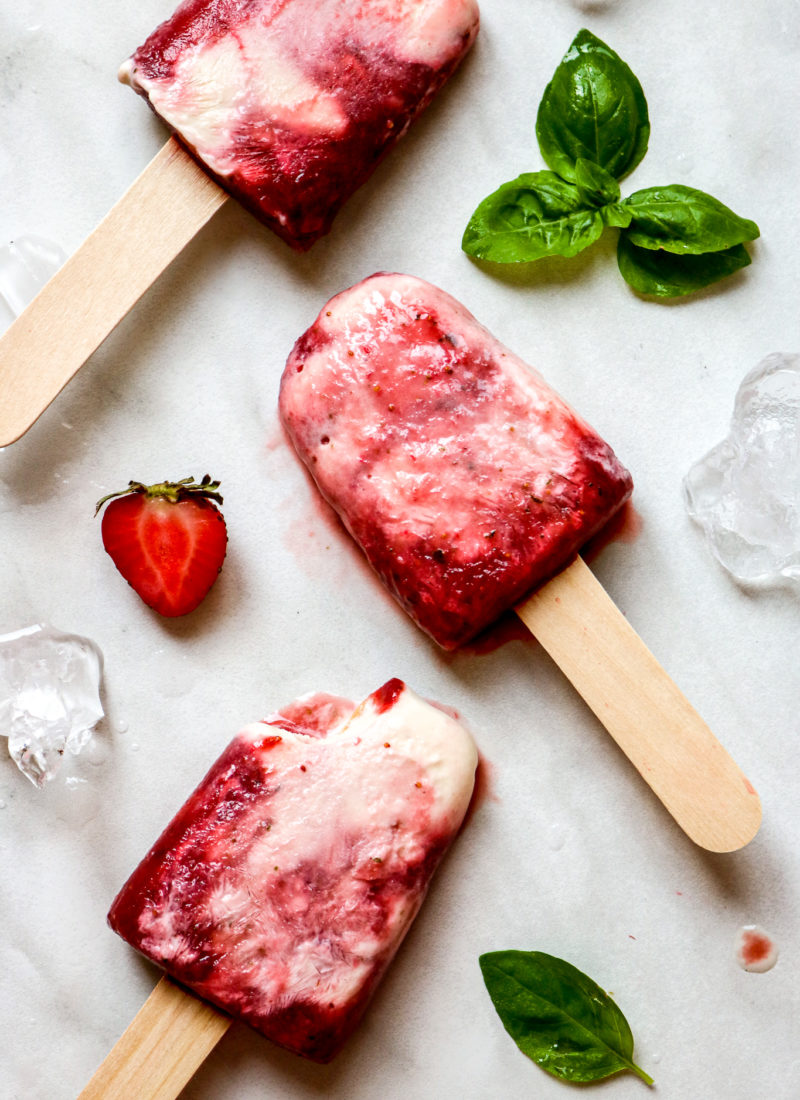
(283, 887)
(290, 104)
(463, 477)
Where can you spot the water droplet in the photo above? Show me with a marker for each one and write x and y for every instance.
(556, 836)
(134, 746)
(76, 802)
(120, 726)
(97, 752)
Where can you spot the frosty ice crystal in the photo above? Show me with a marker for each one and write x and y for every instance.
(745, 493)
(49, 697)
(26, 264)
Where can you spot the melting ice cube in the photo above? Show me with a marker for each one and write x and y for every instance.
(49, 697)
(25, 266)
(745, 493)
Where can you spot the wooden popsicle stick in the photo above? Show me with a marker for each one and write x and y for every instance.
(668, 742)
(67, 321)
(168, 1039)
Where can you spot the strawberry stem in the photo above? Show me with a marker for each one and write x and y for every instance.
(174, 491)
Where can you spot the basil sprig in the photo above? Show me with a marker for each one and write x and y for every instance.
(593, 127)
(558, 1016)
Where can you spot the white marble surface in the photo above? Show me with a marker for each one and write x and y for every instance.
(570, 853)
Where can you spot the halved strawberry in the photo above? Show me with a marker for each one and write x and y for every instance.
(167, 540)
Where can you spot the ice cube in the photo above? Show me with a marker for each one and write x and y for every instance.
(26, 264)
(745, 493)
(49, 697)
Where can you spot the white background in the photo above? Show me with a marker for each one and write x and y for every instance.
(569, 853)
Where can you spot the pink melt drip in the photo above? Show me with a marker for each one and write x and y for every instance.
(508, 628)
(625, 526)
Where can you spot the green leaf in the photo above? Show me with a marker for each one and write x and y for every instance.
(667, 275)
(593, 108)
(683, 220)
(596, 186)
(558, 1016)
(533, 216)
(615, 214)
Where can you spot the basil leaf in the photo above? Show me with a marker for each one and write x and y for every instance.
(667, 275)
(615, 214)
(533, 216)
(558, 1016)
(596, 186)
(684, 220)
(593, 108)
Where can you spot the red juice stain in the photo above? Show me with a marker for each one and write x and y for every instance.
(756, 951)
(625, 526)
(323, 548)
(277, 438)
(508, 628)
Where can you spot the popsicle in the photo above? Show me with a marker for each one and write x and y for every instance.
(281, 890)
(288, 105)
(468, 483)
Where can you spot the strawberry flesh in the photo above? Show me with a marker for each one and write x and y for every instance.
(168, 547)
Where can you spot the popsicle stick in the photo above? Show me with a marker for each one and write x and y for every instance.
(167, 1040)
(71, 316)
(655, 726)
